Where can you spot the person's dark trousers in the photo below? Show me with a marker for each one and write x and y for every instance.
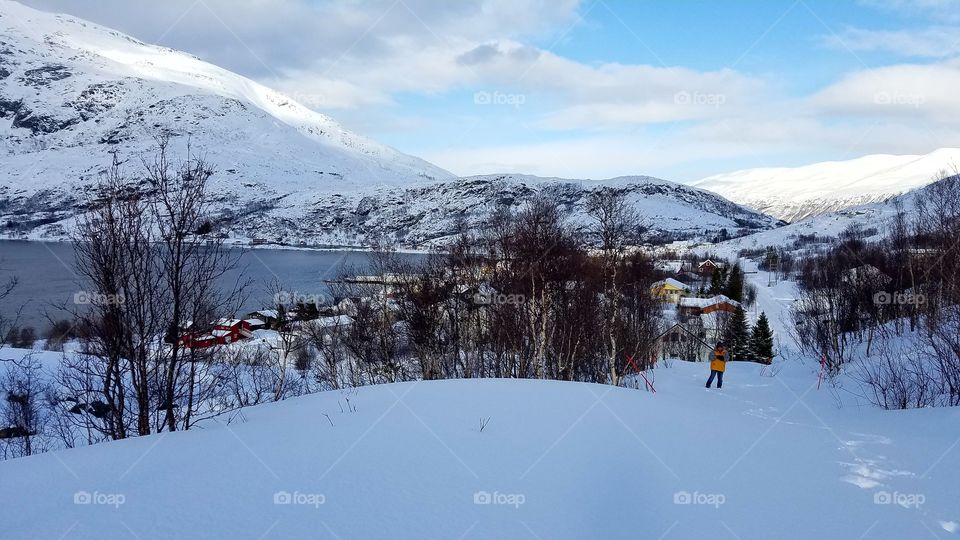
(719, 375)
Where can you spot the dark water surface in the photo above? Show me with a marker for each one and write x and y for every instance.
(47, 277)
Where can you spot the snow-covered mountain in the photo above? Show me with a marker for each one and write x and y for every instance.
(793, 194)
(72, 93)
(417, 216)
(873, 219)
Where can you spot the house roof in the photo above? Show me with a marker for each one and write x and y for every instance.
(329, 322)
(670, 266)
(672, 283)
(255, 322)
(706, 302)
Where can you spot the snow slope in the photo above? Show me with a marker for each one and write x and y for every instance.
(872, 219)
(558, 460)
(793, 194)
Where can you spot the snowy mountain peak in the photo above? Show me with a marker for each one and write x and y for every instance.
(793, 194)
(65, 82)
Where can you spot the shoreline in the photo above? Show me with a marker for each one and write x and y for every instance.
(246, 246)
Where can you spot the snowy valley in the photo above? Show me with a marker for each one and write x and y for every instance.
(481, 356)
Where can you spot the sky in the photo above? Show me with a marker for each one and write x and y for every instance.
(590, 88)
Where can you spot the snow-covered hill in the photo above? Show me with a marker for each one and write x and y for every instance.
(72, 92)
(765, 457)
(873, 219)
(793, 194)
(420, 215)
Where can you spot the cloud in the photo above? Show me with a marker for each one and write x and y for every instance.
(944, 10)
(261, 37)
(930, 42)
(698, 151)
(590, 118)
(917, 92)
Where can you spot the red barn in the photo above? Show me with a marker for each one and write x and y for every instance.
(230, 330)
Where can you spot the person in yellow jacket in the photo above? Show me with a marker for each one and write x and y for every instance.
(718, 365)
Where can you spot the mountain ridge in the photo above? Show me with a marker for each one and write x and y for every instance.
(797, 193)
(75, 94)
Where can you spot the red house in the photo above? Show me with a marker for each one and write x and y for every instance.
(708, 267)
(224, 331)
(693, 307)
(230, 330)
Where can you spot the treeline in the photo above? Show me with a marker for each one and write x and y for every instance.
(891, 306)
(527, 296)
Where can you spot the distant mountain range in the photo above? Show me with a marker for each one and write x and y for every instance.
(793, 194)
(73, 92)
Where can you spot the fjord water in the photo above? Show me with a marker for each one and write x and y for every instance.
(47, 278)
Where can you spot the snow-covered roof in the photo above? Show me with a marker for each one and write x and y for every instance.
(673, 283)
(326, 322)
(336, 320)
(670, 266)
(705, 302)
(220, 333)
(268, 313)
(255, 322)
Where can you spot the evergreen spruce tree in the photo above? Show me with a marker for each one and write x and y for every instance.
(734, 287)
(761, 340)
(717, 282)
(738, 336)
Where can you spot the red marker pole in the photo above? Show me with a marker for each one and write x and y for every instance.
(649, 384)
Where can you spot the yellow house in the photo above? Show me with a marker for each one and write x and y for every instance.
(669, 290)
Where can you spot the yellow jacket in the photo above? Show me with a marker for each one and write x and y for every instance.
(719, 362)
